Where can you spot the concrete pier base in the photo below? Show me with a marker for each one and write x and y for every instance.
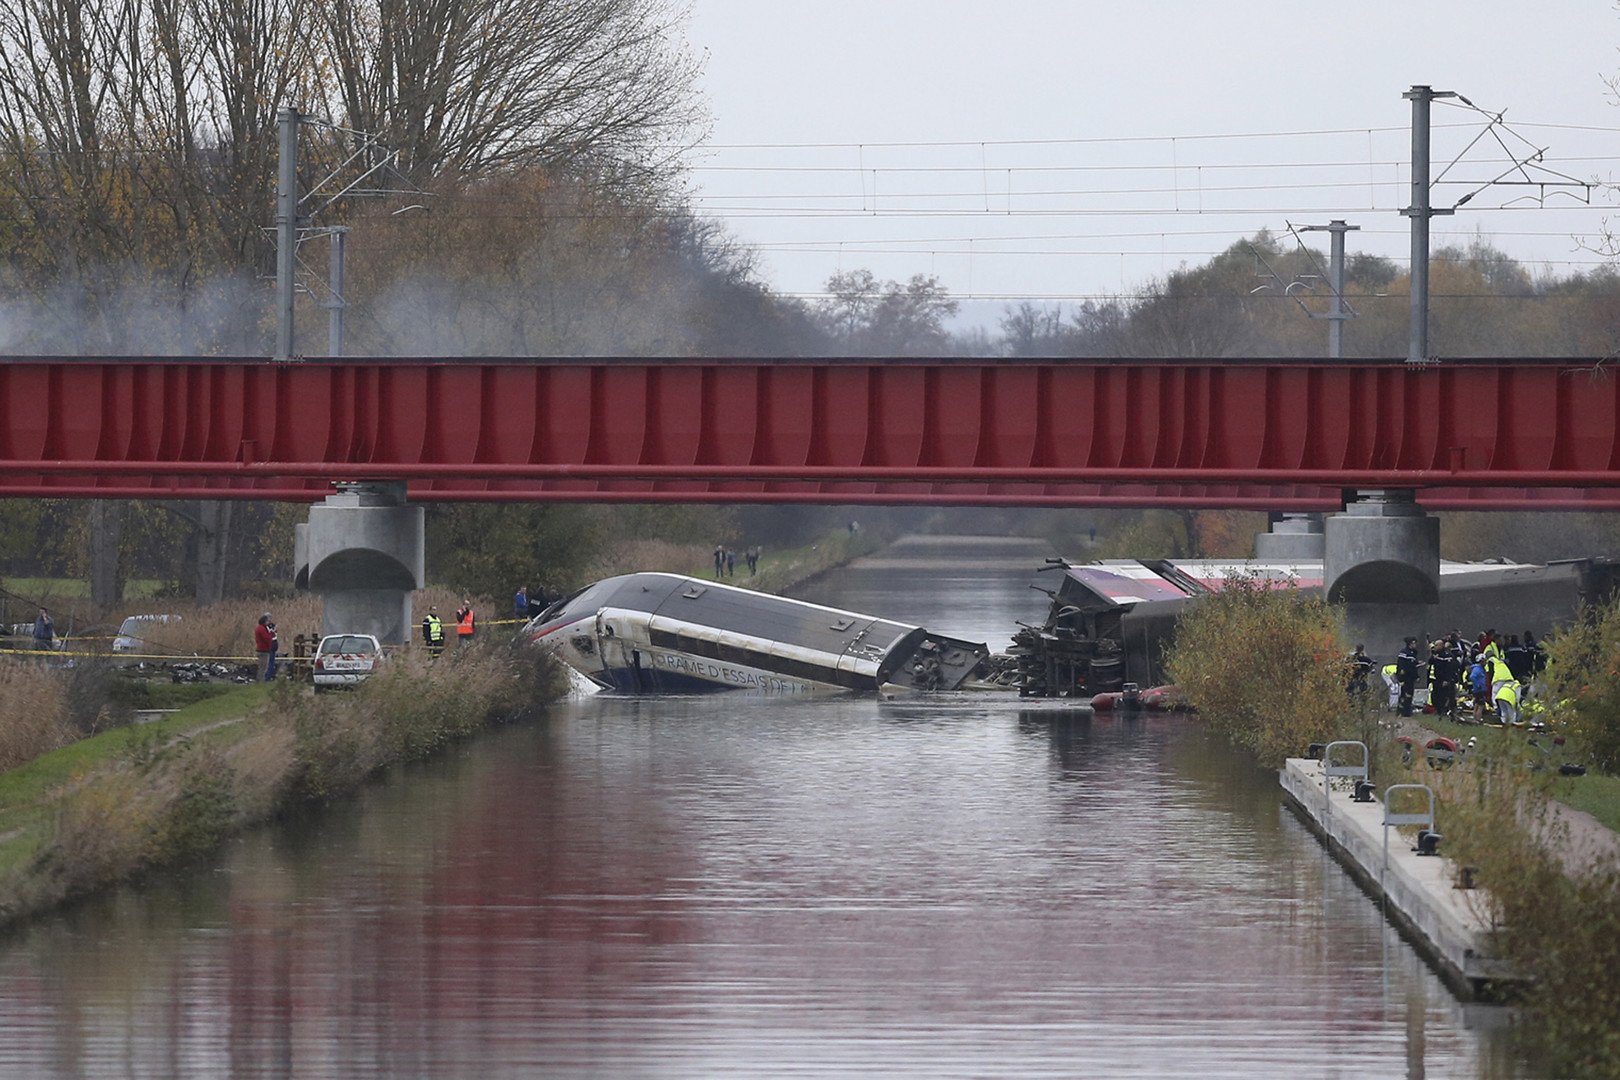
(1381, 550)
(364, 551)
(1381, 560)
(1293, 538)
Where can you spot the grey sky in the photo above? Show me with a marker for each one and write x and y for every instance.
(1080, 162)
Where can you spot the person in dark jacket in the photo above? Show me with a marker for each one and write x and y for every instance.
(1537, 654)
(1445, 671)
(1356, 669)
(433, 632)
(1518, 661)
(1406, 670)
(44, 631)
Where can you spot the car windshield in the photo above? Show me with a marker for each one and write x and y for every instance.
(348, 643)
(136, 623)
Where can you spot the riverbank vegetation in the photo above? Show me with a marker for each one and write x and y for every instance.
(1554, 895)
(104, 808)
(87, 797)
(1265, 667)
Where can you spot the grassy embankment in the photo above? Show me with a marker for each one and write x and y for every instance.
(87, 799)
(1596, 793)
(1265, 668)
(103, 808)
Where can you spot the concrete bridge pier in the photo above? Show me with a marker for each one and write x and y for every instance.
(1381, 560)
(1293, 538)
(363, 551)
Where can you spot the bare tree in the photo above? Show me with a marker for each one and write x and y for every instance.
(466, 87)
(887, 318)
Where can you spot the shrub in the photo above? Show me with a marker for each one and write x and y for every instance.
(104, 830)
(1264, 666)
(202, 811)
(1559, 924)
(1583, 679)
(89, 699)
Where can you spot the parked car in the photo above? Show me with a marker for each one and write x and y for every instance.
(345, 660)
(130, 637)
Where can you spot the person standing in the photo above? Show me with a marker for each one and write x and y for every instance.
(719, 560)
(1391, 674)
(1479, 684)
(1356, 669)
(433, 632)
(731, 563)
(1445, 668)
(264, 644)
(465, 623)
(1536, 653)
(520, 603)
(1518, 661)
(1406, 670)
(44, 631)
(753, 560)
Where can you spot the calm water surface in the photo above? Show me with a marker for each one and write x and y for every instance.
(743, 886)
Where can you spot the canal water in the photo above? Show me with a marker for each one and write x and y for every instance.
(742, 886)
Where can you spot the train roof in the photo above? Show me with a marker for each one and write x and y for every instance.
(731, 610)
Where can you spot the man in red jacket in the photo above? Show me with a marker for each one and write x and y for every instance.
(264, 643)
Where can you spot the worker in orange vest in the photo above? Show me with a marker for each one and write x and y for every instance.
(464, 623)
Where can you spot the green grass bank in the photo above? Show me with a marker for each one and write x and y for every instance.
(104, 808)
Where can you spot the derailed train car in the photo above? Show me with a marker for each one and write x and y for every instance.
(1109, 621)
(664, 633)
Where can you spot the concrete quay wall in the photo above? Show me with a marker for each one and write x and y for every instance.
(1450, 925)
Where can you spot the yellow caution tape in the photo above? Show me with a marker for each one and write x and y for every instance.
(172, 657)
(135, 656)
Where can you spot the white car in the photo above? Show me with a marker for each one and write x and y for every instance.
(345, 660)
(129, 634)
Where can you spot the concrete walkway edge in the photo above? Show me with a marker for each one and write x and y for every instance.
(1450, 925)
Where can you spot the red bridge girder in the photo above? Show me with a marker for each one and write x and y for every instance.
(1259, 434)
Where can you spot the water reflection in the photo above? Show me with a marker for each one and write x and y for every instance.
(962, 886)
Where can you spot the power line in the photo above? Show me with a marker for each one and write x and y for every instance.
(1151, 233)
(1093, 141)
(1222, 300)
(1476, 260)
(902, 213)
(1350, 163)
(1038, 193)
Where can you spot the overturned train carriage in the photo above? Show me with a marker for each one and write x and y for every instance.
(1110, 621)
(664, 633)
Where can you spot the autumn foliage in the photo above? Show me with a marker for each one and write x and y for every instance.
(1263, 666)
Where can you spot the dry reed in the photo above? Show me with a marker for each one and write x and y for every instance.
(33, 711)
(161, 803)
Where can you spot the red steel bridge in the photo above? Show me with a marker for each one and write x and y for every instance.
(1256, 434)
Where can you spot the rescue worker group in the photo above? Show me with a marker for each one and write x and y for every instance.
(1467, 680)
(433, 627)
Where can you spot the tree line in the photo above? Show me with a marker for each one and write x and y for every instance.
(534, 153)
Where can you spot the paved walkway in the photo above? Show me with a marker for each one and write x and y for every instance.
(1583, 842)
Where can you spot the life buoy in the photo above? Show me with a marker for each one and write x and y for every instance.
(1440, 751)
